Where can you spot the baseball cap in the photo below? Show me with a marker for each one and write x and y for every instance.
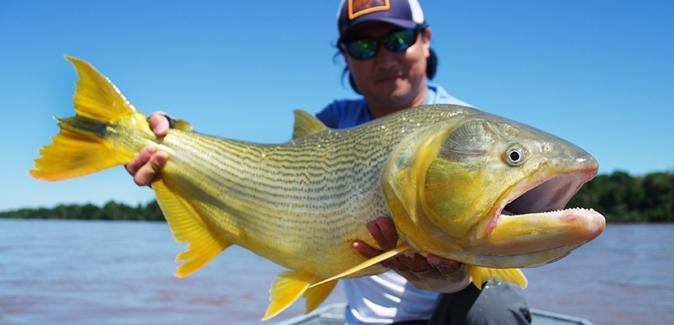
(402, 13)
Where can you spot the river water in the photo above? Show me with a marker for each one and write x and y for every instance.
(90, 272)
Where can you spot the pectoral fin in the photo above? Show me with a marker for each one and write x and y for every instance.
(371, 262)
(188, 226)
(482, 274)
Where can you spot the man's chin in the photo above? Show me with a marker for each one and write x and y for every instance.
(395, 92)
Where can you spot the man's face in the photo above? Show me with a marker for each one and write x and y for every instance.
(390, 79)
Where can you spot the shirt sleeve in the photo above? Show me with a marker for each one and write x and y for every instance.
(327, 116)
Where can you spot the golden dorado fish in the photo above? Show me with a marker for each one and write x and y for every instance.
(458, 182)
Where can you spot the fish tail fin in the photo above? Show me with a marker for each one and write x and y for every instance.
(106, 131)
(482, 274)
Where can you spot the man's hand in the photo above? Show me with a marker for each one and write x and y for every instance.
(145, 166)
(431, 273)
(384, 232)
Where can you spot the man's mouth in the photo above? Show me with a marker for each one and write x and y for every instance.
(390, 77)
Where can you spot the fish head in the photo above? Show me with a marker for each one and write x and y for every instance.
(484, 190)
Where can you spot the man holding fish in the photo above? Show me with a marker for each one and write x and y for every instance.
(386, 45)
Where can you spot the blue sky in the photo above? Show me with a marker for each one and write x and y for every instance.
(597, 73)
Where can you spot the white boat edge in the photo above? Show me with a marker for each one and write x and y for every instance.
(333, 314)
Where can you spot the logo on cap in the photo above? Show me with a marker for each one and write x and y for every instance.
(361, 7)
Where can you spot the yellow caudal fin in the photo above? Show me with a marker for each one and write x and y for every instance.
(305, 124)
(188, 226)
(285, 290)
(75, 154)
(314, 296)
(369, 263)
(482, 274)
(106, 131)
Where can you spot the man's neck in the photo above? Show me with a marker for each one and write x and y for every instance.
(379, 109)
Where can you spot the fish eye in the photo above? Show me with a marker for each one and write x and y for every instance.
(514, 156)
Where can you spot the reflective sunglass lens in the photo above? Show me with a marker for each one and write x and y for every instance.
(400, 40)
(395, 42)
(362, 49)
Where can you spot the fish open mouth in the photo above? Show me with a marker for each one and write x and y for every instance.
(537, 207)
(530, 226)
(550, 195)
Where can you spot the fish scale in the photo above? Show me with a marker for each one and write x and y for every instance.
(260, 187)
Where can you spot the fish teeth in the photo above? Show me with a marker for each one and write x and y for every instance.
(580, 209)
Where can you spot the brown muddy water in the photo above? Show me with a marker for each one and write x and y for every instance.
(90, 272)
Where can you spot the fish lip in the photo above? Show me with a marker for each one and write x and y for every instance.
(560, 188)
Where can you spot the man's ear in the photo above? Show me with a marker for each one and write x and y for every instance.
(426, 40)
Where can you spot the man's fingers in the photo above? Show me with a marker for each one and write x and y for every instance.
(444, 266)
(383, 230)
(147, 172)
(369, 252)
(388, 232)
(159, 123)
(366, 250)
(145, 166)
(415, 263)
(375, 231)
(140, 160)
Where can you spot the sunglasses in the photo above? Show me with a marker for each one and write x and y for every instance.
(366, 48)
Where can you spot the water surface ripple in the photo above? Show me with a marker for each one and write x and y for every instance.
(91, 272)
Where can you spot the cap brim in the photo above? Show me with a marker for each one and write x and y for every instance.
(402, 23)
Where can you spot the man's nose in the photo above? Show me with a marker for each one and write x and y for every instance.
(384, 58)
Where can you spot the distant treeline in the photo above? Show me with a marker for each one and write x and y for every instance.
(619, 197)
(110, 211)
(623, 198)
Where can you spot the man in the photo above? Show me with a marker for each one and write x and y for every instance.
(386, 46)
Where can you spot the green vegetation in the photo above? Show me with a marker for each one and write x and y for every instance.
(619, 197)
(110, 211)
(623, 198)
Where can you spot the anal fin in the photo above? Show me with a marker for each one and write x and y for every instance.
(188, 226)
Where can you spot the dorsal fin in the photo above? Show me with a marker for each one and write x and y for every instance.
(182, 125)
(305, 124)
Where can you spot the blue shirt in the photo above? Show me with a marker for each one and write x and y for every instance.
(351, 112)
